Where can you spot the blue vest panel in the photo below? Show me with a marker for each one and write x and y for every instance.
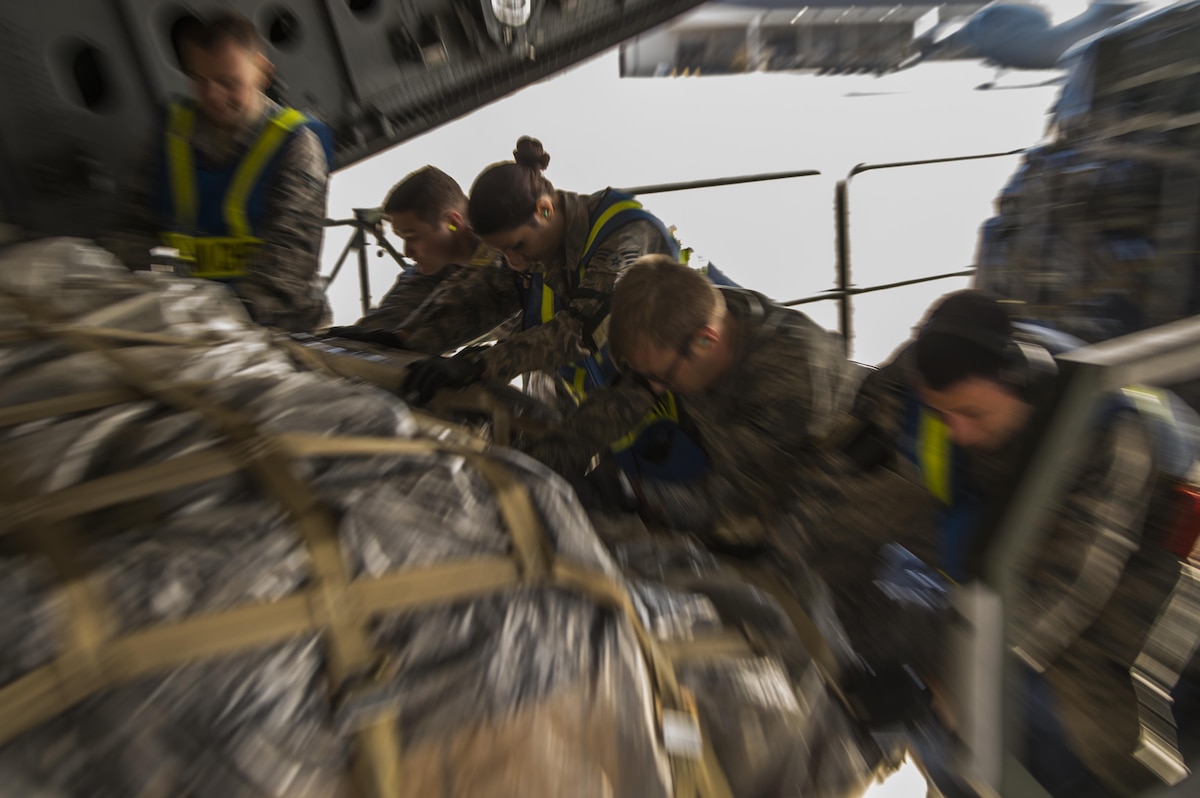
(213, 215)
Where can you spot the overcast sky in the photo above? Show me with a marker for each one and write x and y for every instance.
(775, 237)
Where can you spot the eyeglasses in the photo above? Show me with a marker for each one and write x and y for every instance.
(682, 352)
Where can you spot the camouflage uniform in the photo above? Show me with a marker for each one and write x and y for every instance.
(281, 287)
(761, 425)
(408, 293)
(434, 328)
(1091, 590)
(558, 342)
(413, 290)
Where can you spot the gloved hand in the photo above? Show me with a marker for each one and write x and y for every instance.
(887, 695)
(427, 377)
(353, 333)
(607, 488)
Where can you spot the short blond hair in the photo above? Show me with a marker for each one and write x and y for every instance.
(661, 302)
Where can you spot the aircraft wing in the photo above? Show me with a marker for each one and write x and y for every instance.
(818, 36)
(83, 79)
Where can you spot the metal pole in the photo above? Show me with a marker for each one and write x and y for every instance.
(735, 180)
(841, 204)
(841, 209)
(341, 261)
(867, 167)
(364, 277)
(833, 293)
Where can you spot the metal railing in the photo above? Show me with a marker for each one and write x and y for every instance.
(843, 291)
(736, 180)
(366, 222)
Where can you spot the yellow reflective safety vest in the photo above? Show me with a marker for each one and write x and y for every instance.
(1172, 639)
(212, 215)
(656, 447)
(927, 444)
(615, 210)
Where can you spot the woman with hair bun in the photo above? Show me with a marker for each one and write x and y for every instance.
(566, 252)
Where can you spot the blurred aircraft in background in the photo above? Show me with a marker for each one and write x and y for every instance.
(1016, 35)
(872, 37)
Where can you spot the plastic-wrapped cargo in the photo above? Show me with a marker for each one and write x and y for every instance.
(227, 576)
(1099, 229)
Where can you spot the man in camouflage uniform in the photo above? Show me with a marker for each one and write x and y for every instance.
(427, 210)
(762, 384)
(184, 192)
(954, 411)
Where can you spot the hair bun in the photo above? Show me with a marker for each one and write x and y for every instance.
(529, 153)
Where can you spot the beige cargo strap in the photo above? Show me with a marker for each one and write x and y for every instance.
(349, 653)
(818, 648)
(88, 624)
(391, 376)
(92, 660)
(695, 767)
(476, 399)
(42, 331)
(77, 403)
(48, 691)
(814, 642)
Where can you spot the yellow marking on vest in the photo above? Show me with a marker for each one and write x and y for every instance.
(664, 410)
(933, 453)
(215, 257)
(182, 171)
(612, 211)
(252, 166)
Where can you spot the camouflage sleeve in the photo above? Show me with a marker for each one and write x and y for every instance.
(766, 451)
(1095, 530)
(465, 306)
(281, 282)
(136, 229)
(560, 340)
(879, 403)
(406, 295)
(608, 415)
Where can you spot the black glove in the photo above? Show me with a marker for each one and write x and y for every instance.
(605, 488)
(886, 696)
(427, 377)
(380, 337)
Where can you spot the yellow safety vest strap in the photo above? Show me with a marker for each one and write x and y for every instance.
(665, 409)
(934, 452)
(547, 312)
(251, 168)
(609, 213)
(215, 257)
(181, 172)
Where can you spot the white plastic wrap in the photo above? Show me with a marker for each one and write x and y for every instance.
(532, 691)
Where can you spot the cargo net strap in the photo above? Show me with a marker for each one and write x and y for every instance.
(391, 373)
(93, 659)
